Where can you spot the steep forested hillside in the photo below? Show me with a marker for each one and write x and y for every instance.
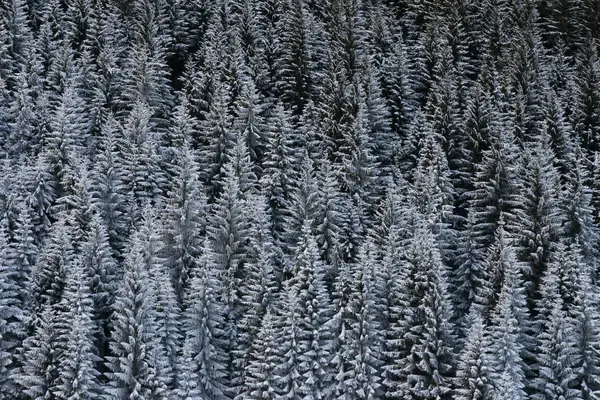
(299, 199)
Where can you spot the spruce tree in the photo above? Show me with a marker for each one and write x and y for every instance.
(472, 371)
(184, 220)
(260, 379)
(205, 358)
(109, 191)
(36, 377)
(136, 354)
(13, 313)
(102, 274)
(314, 311)
(430, 363)
(78, 377)
(506, 332)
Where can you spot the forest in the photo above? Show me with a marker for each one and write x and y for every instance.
(299, 199)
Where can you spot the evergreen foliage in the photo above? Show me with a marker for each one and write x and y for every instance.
(299, 199)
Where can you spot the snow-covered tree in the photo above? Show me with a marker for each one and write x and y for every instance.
(472, 371)
(78, 377)
(136, 352)
(205, 358)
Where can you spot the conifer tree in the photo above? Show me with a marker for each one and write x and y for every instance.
(184, 220)
(206, 343)
(363, 347)
(397, 86)
(260, 379)
(287, 370)
(331, 221)
(506, 331)
(36, 377)
(472, 371)
(101, 270)
(258, 289)
(362, 175)
(13, 314)
(585, 319)
(22, 255)
(24, 131)
(587, 97)
(16, 38)
(216, 139)
(538, 221)
(166, 310)
(294, 73)
(56, 258)
(137, 355)
(145, 179)
(556, 357)
(314, 311)
(78, 377)
(494, 186)
(430, 362)
(41, 199)
(109, 193)
(69, 130)
(280, 168)
(250, 123)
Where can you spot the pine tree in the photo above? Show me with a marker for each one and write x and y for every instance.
(56, 258)
(258, 289)
(42, 196)
(472, 372)
(287, 370)
(216, 140)
(260, 381)
(81, 21)
(205, 346)
(147, 70)
(314, 311)
(587, 98)
(166, 309)
(469, 274)
(361, 173)
(13, 314)
(294, 72)
(363, 350)
(69, 130)
(577, 207)
(103, 275)
(109, 193)
(430, 363)
(556, 358)
(110, 42)
(137, 355)
(16, 38)
(78, 377)
(184, 220)
(280, 168)
(499, 259)
(434, 191)
(250, 123)
(145, 178)
(78, 203)
(585, 317)
(24, 135)
(506, 332)
(538, 221)
(331, 221)
(36, 376)
(303, 203)
(22, 255)
(397, 86)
